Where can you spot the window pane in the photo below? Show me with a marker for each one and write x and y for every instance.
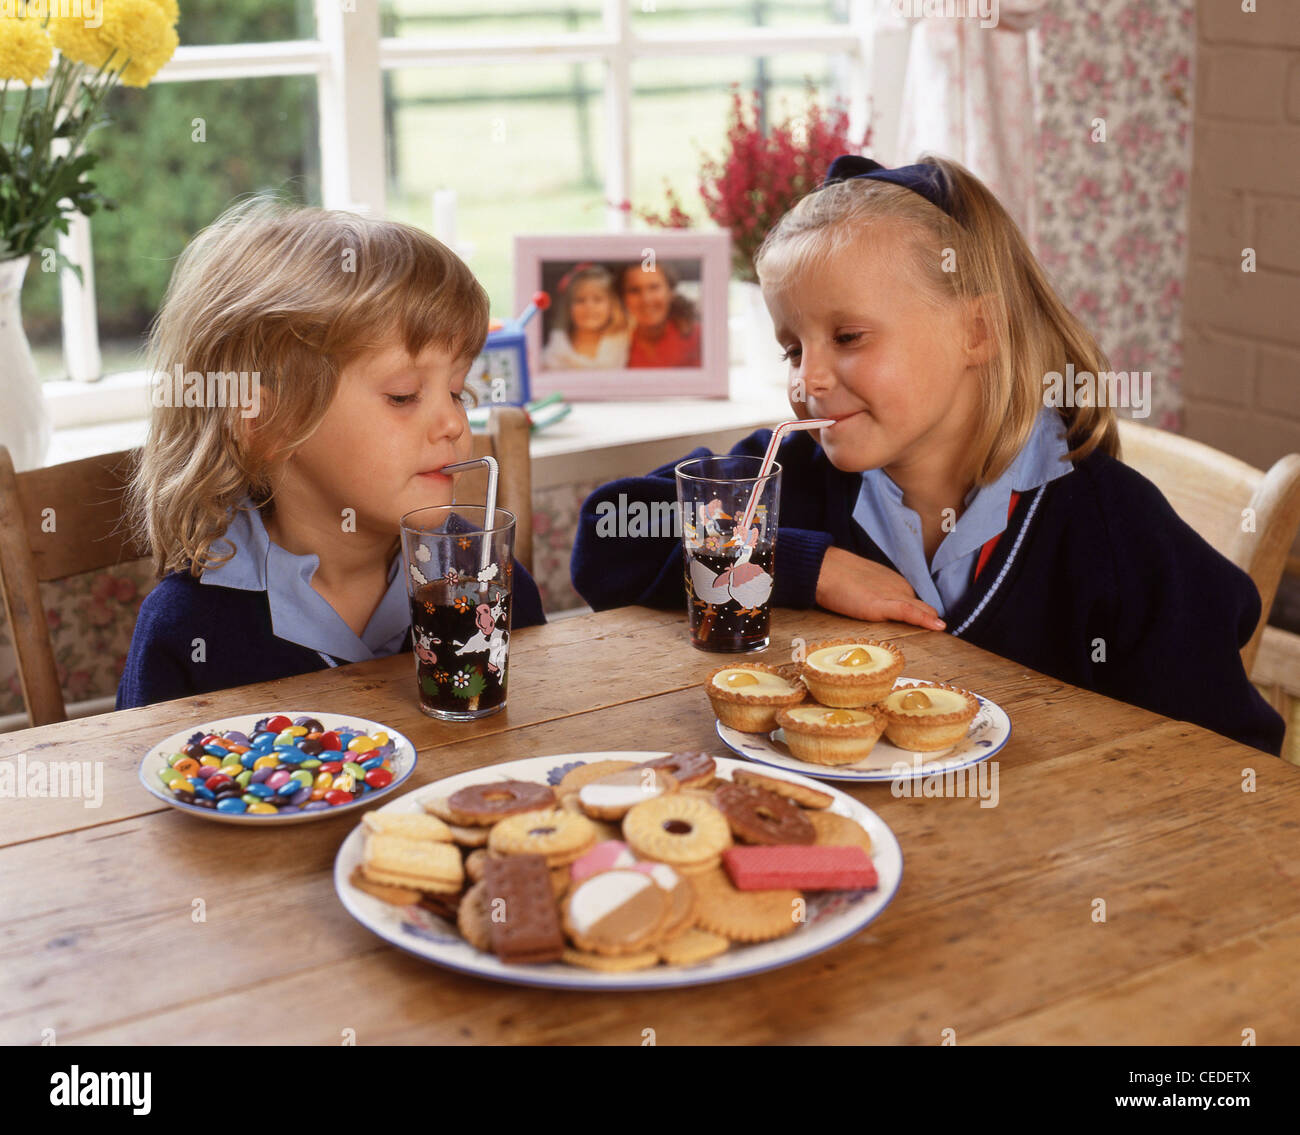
(676, 17)
(697, 91)
(464, 19)
(261, 134)
(245, 21)
(522, 146)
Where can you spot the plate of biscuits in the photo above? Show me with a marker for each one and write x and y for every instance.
(845, 712)
(618, 870)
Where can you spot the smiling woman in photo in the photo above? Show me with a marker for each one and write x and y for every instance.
(666, 329)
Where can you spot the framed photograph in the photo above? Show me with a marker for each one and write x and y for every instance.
(632, 315)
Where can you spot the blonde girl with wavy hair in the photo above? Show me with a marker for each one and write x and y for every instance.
(954, 488)
(309, 382)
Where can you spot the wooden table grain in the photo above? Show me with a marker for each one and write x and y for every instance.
(994, 936)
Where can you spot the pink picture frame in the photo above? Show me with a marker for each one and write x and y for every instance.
(658, 301)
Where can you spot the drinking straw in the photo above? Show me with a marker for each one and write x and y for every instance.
(489, 513)
(769, 457)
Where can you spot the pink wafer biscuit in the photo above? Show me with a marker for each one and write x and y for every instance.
(772, 867)
(605, 856)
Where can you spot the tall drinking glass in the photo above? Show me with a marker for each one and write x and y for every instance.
(459, 579)
(728, 571)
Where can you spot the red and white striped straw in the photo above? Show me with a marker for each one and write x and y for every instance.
(769, 457)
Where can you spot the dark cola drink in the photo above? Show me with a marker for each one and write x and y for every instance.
(461, 639)
(729, 599)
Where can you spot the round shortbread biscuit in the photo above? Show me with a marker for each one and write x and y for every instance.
(743, 916)
(677, 830)
(834, 830)
(473, 918)
(694, 945)
(559, 835)
(621, 963)
(799, 793)
(575, 778)
(474, 864)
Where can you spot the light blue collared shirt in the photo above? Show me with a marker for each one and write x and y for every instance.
(299, 613)
(896, 529)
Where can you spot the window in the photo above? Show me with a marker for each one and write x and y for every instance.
(536, 115)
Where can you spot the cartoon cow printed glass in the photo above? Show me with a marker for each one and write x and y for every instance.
(459, 579)
(728, 567)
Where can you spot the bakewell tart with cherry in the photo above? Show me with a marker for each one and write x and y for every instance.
(829, 735)
(851, 673)
(747, 696)
(928, 716)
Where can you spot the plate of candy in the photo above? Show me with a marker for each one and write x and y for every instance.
(278, 768)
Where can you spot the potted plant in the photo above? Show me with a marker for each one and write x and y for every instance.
(757, 178)
(56, 70)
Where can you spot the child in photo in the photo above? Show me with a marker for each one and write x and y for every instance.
(276, 532)
(590, 325)
(948, 493)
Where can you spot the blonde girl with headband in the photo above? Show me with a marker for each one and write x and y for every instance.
(951, 492)
(273, 523)
(591, 328)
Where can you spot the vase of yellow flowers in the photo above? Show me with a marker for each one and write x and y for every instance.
(58, 61)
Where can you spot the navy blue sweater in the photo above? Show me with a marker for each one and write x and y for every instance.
(239, 645)
(1098, 554)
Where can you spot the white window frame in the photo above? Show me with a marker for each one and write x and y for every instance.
(348, 59)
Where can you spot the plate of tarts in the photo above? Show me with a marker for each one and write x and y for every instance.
(624, 870)
(847, 713)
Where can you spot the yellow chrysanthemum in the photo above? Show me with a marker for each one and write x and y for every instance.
(136, 30)
(25, 50)
(170, 10)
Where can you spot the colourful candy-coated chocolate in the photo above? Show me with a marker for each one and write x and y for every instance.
(329, 741)
(277, 778)
(324, 781)
(303, 777)
(269, 761)
(259, 790)
(354, 770)
(259, 775)
(278, 724)
(181, 784)
(335, 797)
(362, 744)
(208, 771)
(244, 778)
(379, 778)
(186, 766)
(218, 781)
(344, 782)
(261, 809)
(296, 731)
(250, 758)
(373, 762)
(169, 775)
(209, 760)
(215, 750)
(205, 793)
(301, 796)
(232, 804)
(309, 763)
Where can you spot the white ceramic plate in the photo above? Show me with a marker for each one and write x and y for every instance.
(156, 759)
(989, 731)
(831, 916)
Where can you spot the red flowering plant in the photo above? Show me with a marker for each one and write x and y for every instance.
(761, 175)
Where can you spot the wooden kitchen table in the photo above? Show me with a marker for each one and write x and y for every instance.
(993, 934)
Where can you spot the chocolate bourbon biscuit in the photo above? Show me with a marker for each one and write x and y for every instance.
(523, 919)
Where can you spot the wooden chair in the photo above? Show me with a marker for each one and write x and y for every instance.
(56, 522)
(507, 440)
(67, 520)
(1211, 491)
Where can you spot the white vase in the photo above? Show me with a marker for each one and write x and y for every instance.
(762, 353)
(24, 417)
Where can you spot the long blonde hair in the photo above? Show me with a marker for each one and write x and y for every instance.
(1033, 331)
(292, 294)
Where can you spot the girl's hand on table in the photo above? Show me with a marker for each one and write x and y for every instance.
(863, 589)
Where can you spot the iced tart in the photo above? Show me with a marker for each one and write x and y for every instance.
(747, 696)
(827, 735)
(851, 672)
(925, 717)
